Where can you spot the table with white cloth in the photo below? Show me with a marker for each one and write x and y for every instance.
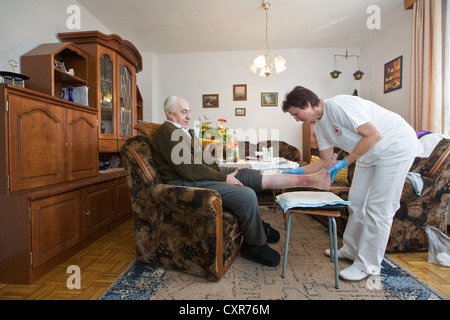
(276, 165)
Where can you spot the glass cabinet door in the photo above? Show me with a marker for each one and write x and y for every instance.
(106, 95)
(126, 103)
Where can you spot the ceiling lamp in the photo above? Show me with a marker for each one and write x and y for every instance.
(335, 73)
(263, 64)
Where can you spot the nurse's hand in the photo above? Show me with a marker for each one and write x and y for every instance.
(337, 167)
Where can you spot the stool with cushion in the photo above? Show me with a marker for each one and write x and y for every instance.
(324, 204)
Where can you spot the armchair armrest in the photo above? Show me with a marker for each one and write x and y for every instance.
(198, 201)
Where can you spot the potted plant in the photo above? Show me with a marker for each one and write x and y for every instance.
(358, 75)
(335, 74)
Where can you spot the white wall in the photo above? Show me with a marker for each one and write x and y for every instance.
(26, 24)
(391, 42)
(195, 74)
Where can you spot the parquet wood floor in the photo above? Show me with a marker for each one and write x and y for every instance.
(100, 264)
(104, 260)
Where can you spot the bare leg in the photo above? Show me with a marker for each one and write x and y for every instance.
(319, 180)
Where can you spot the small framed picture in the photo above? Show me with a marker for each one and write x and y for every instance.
(393, 75)
(210, 101)
(239, 112)
(239, 92)
(269, 99)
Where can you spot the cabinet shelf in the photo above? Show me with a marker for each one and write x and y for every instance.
(67, 79)
(39, 65)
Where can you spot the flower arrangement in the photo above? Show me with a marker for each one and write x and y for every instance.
(214, 134)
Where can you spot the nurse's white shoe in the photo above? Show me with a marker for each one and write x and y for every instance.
(353, 273)
(341, 254)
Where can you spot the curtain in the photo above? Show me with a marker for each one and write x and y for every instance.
(426, 107)
(446, 9)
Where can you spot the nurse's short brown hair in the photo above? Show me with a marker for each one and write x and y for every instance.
(299, 97)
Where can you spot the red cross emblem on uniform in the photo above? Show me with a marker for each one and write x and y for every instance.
(337, 131)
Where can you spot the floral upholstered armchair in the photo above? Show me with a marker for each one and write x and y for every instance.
(430, 208)
(176, 227)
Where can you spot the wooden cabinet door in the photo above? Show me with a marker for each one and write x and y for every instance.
(55, 225)
(126, 104)
(81, 144)
(96, 208)
(121, 198)
(36, 142)
(106, 93)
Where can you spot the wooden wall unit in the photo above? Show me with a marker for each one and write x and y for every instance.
(53, 199)
(113, 64)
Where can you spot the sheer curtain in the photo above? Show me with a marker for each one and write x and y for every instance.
(446, 16)
(426, 107)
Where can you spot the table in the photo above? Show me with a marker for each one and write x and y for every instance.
(277, 165)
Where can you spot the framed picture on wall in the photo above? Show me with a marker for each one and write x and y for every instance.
(269, 99)
(393, 75)
(239, 112)
(239, 92)
(210, 101)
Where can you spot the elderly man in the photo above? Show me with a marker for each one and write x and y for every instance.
(236, 187)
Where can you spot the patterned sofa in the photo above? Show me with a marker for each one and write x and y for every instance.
(176, 227)
(416, 212)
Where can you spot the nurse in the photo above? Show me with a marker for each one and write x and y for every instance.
(383, 145)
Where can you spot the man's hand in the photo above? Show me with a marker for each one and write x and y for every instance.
(231, 178)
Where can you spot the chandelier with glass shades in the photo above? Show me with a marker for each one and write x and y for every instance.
(263, 64)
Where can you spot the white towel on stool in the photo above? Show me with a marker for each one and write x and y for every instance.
(308, 199)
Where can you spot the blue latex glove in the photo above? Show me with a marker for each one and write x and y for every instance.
(298, 170)
(337, 167)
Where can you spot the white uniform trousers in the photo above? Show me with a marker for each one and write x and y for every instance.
(375, 198)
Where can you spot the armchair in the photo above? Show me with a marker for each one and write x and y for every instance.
(176, 227)
(428, 209)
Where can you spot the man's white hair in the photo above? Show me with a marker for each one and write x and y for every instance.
(170, 103)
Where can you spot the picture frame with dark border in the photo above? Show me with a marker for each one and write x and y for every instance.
(239, 112)
(269, 99)
(393, 71)
(239, 92)
(210, 101)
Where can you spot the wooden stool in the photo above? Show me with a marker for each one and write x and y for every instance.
(330, 211)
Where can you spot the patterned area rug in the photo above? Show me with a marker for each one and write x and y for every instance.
(309, 275)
